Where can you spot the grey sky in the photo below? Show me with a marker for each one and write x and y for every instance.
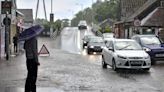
(61, 8)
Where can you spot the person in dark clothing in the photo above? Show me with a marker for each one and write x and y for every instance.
(32, 63)
(15, 41)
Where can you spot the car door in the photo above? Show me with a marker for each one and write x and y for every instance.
(108, 52)
(105, 52)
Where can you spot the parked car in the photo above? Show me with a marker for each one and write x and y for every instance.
(107, 36)
(95, 44)
(86, 40)
(152, 45)
(125, 54)
(82, 25)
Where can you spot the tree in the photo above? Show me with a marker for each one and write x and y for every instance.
(100, 11)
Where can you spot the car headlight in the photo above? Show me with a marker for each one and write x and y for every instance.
(147, 57)
(102, 47)
(91, 46)
(146, 49)
(85, 42)
(122, 57)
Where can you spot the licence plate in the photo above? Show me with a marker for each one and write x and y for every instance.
(136, 62)
(159, 55)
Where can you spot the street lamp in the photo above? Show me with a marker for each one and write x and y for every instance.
(72, 12)
(81, 9)
(92, 14)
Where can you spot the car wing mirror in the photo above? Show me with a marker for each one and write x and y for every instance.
(110, 48)
(105, 42)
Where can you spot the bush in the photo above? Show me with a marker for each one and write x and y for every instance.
(107, 29)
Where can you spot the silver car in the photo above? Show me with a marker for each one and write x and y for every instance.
(125, 53)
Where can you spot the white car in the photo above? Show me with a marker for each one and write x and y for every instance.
(125, 53)
(108, 36)
(82, 25)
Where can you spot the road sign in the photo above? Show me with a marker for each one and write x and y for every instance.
(6, 7)
(43, 50)
(6, 21)
(137, 22)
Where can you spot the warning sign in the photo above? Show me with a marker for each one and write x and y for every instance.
(43, 50)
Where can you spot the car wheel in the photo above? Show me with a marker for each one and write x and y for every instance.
(88, 51)
(153, 62)
(83, 46)
(104, 65)
(114, 65)
(146, 69)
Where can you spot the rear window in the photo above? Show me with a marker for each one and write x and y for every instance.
(151, 40)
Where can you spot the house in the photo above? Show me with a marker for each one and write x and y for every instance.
(28, 16)
(147, 19)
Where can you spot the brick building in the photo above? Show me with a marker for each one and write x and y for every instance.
(142, 11)
(128, 7)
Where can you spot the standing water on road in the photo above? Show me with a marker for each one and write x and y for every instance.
(70, 40)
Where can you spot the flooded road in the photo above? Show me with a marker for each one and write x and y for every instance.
(70, 69)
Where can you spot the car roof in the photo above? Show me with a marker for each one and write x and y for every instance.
(143, 36)
(107, 33)
(121, 39)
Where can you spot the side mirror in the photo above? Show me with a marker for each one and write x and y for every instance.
(110, 48)
(162, 44)
(105, 42)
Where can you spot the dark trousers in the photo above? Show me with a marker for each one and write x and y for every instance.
(32, 68)
(15, 48)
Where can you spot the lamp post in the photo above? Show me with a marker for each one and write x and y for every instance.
(81, 5)
(92, 14)
(51, 19)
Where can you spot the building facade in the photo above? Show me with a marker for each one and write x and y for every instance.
(143, 20)
(12, 16)
(128, 7)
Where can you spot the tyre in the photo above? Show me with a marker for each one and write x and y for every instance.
(104, 65)
(89, 52)
(146, 69)
(83, 47)
(153, 62)
(114, 65)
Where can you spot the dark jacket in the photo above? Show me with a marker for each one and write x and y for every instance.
(15, 40)
(31, 49)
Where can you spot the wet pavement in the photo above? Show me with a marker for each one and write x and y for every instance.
(64, 71)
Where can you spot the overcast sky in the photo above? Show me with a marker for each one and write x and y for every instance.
(61, 8)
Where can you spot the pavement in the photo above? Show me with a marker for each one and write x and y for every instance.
(9, 89)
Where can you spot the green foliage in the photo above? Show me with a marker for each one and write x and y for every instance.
(107, 9)
(100, 11)
(107, 29)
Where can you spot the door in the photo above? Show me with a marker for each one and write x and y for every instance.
(108, 53)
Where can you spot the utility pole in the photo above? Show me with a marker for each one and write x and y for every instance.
(51, 19)
(44, 6)
(81, 5)
(92, 15)
(7, 29)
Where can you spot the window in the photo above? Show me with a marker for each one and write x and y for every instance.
(109, 44)
(162, 3)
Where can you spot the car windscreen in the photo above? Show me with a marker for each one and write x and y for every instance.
(127, 45)
(151, 40)
(96, 40)
(108, 35)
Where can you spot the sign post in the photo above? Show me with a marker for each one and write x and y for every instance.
(6, 9)
(6, 6)
(51, 21)
(7, 22)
